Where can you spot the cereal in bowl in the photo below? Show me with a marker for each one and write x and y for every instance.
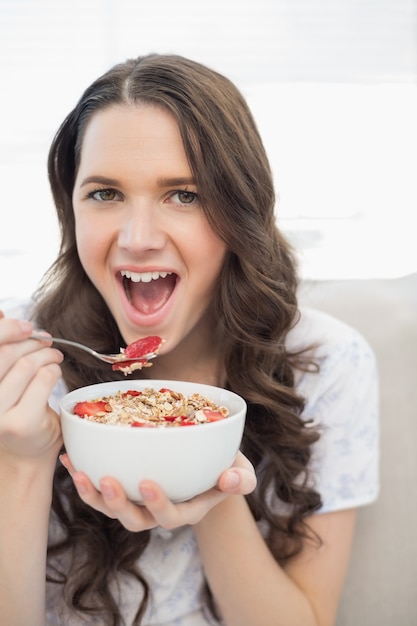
(151, 407)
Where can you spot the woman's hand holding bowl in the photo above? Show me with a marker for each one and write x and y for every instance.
(157, 509)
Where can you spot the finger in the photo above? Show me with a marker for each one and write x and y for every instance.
(41, 385)
(35, 367)
(13, 334)
(132, 515)
(89, 494)
(237, 481)
(162, 510)
(111, 500)
(12, 349)
(240, 478)
(66, 462)
(27, 415)
(171, 515)
(32, 416)
(242, 461)
(14, 330)
(86, 490)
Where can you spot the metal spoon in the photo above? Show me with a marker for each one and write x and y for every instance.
(107, 358)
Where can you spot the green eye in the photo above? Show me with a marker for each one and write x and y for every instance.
(107, 194)
(186, 197)
(104, 195)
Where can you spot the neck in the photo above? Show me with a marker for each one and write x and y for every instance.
(198, 358)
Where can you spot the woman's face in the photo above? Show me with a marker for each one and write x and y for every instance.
(142, 235)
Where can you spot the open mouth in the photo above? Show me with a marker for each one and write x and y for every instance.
(148, 292)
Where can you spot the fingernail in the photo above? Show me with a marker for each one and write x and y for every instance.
(81, 487)
(107, 491)
(147, 493)
(25, 326)
(232, 480)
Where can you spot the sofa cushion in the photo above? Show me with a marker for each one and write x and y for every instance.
(382, 578)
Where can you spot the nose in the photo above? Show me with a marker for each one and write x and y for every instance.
(142, 229)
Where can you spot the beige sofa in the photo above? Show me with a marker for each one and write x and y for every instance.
(381, 588)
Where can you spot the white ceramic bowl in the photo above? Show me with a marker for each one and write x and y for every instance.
(184, 461)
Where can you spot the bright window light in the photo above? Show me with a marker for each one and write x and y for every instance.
(332, 84)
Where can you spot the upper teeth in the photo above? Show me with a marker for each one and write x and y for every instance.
(144, 277)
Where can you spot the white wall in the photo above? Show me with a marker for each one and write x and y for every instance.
(332, 84)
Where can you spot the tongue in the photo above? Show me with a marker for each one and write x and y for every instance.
(149, 297)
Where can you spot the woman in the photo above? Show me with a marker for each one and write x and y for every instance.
(166, 206)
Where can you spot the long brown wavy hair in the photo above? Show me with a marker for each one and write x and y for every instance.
(255, 305)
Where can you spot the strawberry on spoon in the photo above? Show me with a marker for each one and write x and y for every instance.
(141, 350)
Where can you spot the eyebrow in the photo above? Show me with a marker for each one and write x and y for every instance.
(161, 182)
(175, 182)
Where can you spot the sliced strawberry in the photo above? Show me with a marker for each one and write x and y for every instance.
(91, 408)
(213, 416)
(142, 347)
(122, 365)
(132, 392)
(171, 418)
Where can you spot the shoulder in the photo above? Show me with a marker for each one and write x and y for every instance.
(314, 327)
(343, 356)
(342, 398)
